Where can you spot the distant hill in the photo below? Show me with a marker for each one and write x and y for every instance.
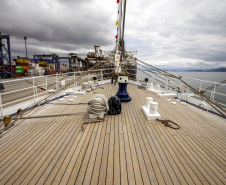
(221, 69)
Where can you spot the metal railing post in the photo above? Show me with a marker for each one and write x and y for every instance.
(46, 84)
(33, 87)
(200, 85)
(1, 103)
(101, 76)
(56, 81)
(215, 85)
(74, 81)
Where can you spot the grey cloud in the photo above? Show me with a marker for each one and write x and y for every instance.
(163, 31)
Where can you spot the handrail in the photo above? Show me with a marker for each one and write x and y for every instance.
(17, 90)
(104, 76)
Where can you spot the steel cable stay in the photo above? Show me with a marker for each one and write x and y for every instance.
(20, 112)
(205, 98)
(60, 90)
(200, 91)
(8, 119)
(213, 86)
(172, 86)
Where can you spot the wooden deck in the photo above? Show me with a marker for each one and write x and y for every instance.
(124, 149)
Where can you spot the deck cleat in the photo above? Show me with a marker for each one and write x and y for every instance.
(19, 112)
(7, 120)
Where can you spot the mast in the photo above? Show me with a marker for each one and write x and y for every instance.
(120, 36)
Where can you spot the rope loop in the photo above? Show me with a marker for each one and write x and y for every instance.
(169, 123)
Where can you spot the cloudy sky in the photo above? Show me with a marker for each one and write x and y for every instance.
(166, 33)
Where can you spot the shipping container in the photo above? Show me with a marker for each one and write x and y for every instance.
(51, 72)
(19, 67)
(25, 67)
(21, 60)
(19, 71)
(19, 74)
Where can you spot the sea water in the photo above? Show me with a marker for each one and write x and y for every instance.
(203, 81)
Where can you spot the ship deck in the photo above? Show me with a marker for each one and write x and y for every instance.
(123, 149)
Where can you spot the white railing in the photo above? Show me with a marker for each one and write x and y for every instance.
(44, 81)
(203, 85)
(216, 93)
(51, 81)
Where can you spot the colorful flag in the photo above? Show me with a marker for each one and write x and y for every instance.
(117, 1)
(116, 36)
(116, 22)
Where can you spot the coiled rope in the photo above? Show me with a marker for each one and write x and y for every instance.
(98, 105)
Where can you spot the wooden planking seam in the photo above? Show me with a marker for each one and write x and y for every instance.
(40, 119)
(144, 134)
(194, 136)
(52, 172)
(58, 154)
(90, 166)
(28, 146)
(141, 142)
(81, 169)
(86, 168)
(135, 159)
(12, 132)
(202, 145)
(32, 160)
(189, 173)
(149, 127)
(66, 173)
(154, 156)
(117, 175)
(97, 163)
(50, 152)
(104, 158)
(173, 113)
(185, 142)
(128, 164)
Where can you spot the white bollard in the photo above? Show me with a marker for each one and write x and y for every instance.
(152, 112)
(153, 108)
(150, 86)
(157, 87)
(148, 101)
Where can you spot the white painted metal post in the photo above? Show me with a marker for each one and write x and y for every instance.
(187, 91)
(215, 85)
(74, 81)
(200, 85)
(36, 89)
(33, 87)
(1, 104)
(56, 81)
(101, 76)
(46, 84)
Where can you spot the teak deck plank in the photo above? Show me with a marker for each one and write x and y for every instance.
(123, 149)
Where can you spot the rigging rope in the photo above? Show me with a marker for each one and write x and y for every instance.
(205, 98)
(51, 96)
(213, 86)
(169, 123)
(60, 90)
